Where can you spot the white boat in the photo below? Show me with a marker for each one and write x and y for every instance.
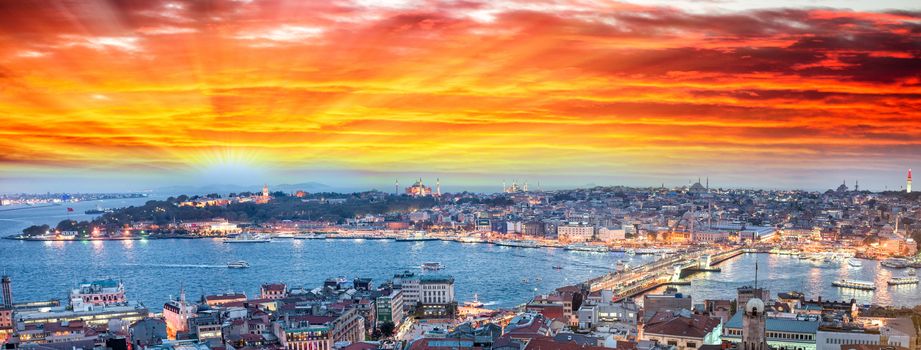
(911, 272)
(285, 236)
(585, 247)
(310, 236)
(432, 266)
(518, 244)
(238, 265)
(470, 239)
(620, 266)
(475, 303)
(895, 281)
(247, 238)
(630, 252)
(854, 262)
(854, 284)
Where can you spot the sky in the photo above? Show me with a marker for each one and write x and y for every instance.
(132, 95)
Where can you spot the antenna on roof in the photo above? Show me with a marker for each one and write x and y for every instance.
(756, 272)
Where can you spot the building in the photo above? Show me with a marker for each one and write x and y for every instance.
(437, 295)
(223, 299)
(390, 308)
(655, 303)
(147, 332)
(779, 333)
(408, 283)
(575, 233)
(97, 293)
(908, 182)
(7, 292)
(177, 313)
(683, 330)
(418, 189)
(747, 293)
(273, 291)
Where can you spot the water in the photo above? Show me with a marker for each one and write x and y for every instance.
(152, 270)
(15, 218)
(784, 273)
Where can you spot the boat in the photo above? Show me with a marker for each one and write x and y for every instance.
(585, 247)
(854, 284)
(475, 303)
(310, 236)
(525, 280)
(518, 244)
(416, 237)
(911, 272)
(895, 263)
(620, 266)
(557, 267)
(432, 266)
(854, 262)
(97, 210)
(895, 281)
(803, 256)
(247, 238)
(470, 240)
(284, 236)
(630, 252)
(238, 265)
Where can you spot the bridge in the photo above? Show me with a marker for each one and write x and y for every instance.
(670, 269)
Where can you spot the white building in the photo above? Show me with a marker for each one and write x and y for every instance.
(575, 233)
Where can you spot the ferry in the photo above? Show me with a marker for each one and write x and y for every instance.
(98, 210)
(854, 284)
(630, 252)
(475, 303)
(557, 267)
(895, 281)
(416, 237)
(585, 247)
(895, 263)
(238, 265)
(284, 236)
(310, 236)
(518, 244)
(470, 240)
(432, 266)
(247, 238)
(620, 266)
(854, 262)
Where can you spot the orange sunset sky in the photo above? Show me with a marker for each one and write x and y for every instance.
(131, 95)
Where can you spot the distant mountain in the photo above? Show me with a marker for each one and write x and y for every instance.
(224, 189)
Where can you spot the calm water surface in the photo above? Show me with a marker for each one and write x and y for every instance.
(502, 276)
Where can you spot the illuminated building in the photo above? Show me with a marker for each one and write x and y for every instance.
(90, 295)
(177, 314)
(515, 188)
(264, 198)
(418, 189)
(908, 182)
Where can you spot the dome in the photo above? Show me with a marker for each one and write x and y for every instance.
(754, 306)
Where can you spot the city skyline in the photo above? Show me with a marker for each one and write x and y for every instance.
(129, 96)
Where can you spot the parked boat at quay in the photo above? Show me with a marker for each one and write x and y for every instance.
(854, 284)
(895, 281)
(854, 262)
(518, 244)
(416, 237)
(895, 263)
(585, 247)
(247, 238)
(310, 236)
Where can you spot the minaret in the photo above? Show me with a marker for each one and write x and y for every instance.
(503, 186)
(856, 185)
(438, 187)
(7, 293)
(396, 187)
(908, 182)
(525, 188)
(265, 191)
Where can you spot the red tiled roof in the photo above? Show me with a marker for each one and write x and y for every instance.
(696, 326)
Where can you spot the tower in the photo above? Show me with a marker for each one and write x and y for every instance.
(265, 191)
(753, 326)
(438, 187)
(396, 187)
(908, 182)
(7, 293)
(856, 185)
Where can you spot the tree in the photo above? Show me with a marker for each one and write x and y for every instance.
(36, 230)
(387, 329)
